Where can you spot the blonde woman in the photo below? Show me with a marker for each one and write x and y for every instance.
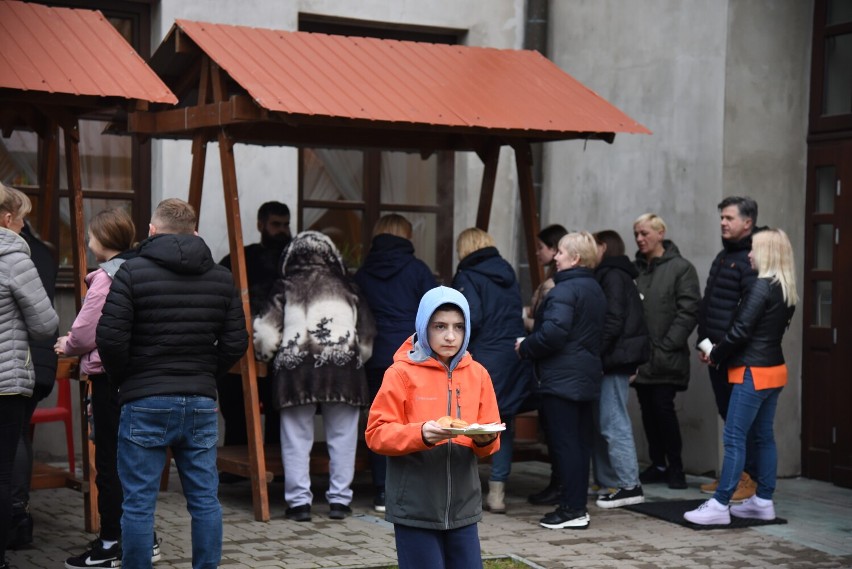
(751, 349)
(565, 347)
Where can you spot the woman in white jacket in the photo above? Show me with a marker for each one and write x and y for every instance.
(26, 314)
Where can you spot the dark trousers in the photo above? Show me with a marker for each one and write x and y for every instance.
(418, 548)
(662, 428)
(22, 469)
(378, 462)
(722, 390)
(12, 411)
(232, 406)
(569, 427)
(106, 412)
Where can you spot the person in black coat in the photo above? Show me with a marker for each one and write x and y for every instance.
(565, 346)
(171, 324)
(625, 345)
(491, 288)
(393, 281)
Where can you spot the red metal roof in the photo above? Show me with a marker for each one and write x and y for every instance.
(312, 75)
(71, 51)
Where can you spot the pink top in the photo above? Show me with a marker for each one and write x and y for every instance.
(81, 339)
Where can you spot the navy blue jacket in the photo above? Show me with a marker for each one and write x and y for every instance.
(489, 284)
(393, 281)
(625, 342)
(566, 340)
(730, 277)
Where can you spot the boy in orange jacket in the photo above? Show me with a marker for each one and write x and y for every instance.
(434, 497)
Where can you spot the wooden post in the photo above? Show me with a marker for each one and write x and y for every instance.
(78, 244)
(529, 209)
(490, 158)
(196, 178)
(248, 367)
(48, 182)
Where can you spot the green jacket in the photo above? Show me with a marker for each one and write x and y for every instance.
(671, 296)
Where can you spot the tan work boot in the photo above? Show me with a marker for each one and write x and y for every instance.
(496, 495)
(710, 487)
(745, 488)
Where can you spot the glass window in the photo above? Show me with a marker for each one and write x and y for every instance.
(837, 93)
(343, 226)
(822, 304)
(838, 12)
(408, 179)
(826, 179)
(823, 246)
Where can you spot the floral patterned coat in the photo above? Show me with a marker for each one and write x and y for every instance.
(316, 328)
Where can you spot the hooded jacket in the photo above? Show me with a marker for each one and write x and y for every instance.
(566, 340)
(172, 321)
(26, 314)
(393, 281)
(625, 343)
(81, 338)
(489, 284)
(670, 295)
(730, 277)
(432, 487)
(316, 328)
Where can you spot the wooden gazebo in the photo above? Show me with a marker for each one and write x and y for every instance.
(272, 87)
(57, 65)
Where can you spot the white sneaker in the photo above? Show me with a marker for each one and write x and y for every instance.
(752, 509)
(710, 513)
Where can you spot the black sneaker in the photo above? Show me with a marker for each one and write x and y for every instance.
(677, 480)
(379, 501)
(96, 556)
(299, 513)
(622, 497)
(547, 497)
(653, 475)
(565, 519)
(339, 511)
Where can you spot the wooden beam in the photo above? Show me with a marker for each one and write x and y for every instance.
(196, 177)
(444, 220)
(529, 209)
(238, 108)
(78, 250)
(491, 159)
(248, 368)
(47, 176)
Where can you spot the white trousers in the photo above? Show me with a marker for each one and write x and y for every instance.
(297, 437)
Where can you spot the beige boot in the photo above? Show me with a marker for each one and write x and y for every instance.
(496, 494)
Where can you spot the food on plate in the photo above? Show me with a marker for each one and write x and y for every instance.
(448, 422)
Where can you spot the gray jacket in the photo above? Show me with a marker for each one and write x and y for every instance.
(25, 314)
(670, 296)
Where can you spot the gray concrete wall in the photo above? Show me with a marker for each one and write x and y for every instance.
(723, 86)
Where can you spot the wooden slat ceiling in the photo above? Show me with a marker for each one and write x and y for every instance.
(396, 86)
(64, 51)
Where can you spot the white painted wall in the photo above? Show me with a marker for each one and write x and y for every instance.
(723, 85)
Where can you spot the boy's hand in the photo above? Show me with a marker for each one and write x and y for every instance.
(484, 440)
(434, 433)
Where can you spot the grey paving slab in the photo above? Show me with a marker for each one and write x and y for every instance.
(819, 532)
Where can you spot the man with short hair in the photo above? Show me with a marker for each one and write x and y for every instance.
(172, 323)
(262, 269)
(730, 277)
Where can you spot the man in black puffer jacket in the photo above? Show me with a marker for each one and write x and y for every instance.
(730, 277)
(172, 323)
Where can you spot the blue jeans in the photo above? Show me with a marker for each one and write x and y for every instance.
(501, 461)
(749, 409)
(614, 452)
(147, 428)
(418, 548)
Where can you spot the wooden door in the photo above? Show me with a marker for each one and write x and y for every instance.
(827, 315)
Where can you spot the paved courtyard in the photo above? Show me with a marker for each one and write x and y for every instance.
(819, 532)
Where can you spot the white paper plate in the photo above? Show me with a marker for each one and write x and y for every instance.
(476, 429)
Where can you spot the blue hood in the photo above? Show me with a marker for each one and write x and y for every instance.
(428, 304)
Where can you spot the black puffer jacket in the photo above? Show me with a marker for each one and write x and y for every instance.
(730, 277)
(670, 296)
(172, 321)
(566, 341)
(754, 339)
(625, 342)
